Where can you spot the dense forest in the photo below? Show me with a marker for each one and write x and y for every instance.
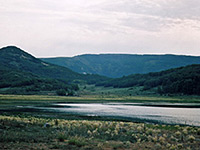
(183, 80)
(19, 82)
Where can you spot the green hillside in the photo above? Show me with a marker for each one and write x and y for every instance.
(19, 82)
(118, 65)
(183, 80)
(21, 73)
(15, 58)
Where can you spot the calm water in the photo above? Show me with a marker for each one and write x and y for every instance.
(189, 116)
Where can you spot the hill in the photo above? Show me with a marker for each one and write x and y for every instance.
(17, 59)
(118, 65)
(183, 80)
(21, 73)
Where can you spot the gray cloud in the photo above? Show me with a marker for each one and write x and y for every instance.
(52, 28)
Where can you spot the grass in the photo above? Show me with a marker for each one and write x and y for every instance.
(17, 133)
(94, 98)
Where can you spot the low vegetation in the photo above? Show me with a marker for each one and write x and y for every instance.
(19, 132)
(29, 99)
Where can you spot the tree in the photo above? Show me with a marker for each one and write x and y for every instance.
(61, 92)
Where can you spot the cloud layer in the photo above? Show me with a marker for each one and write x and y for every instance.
(67, 28)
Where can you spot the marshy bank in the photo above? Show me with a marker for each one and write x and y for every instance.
(23, 119)
(166, 113)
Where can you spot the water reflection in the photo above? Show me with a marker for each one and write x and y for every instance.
(189, 116)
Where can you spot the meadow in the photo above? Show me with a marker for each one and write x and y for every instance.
(46, 130)
(26, 132)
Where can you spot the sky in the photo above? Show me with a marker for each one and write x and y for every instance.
(49, 28)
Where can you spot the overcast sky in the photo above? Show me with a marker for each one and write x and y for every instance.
(47, 28)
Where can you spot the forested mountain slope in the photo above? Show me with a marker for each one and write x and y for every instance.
(118, 65)
(17, 59)
(21, 73)
(183, 80)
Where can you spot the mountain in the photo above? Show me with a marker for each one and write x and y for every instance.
(17, 59)
(183, 80)
(118, 65)
(21, 73)
(14, 58)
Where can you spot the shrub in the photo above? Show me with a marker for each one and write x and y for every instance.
(61, 137)
(61, 92)
(191, 138)
(77, 141)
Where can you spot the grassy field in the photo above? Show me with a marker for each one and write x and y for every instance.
(99, 98)
(20, 132)
(30, 129)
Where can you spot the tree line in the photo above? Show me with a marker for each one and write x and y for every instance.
(183, 80)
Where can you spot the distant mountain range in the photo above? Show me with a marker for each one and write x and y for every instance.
(118, 65)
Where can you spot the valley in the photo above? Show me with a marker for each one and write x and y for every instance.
(47, 106)
(99, 75)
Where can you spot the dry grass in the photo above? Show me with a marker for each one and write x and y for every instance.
(30, 133)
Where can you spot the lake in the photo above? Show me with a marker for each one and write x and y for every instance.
(152, 113)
